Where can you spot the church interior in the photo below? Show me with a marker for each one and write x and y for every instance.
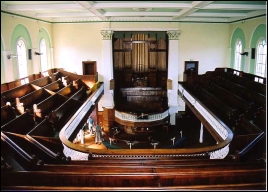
(126, 107)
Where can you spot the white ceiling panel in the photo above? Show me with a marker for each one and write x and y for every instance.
(173, 11)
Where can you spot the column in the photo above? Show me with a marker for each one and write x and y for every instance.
(201, 134)
(173, 73)
(107, 68)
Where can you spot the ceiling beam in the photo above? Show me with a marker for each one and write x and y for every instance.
(90, 6)
(236, 7)
(134, 4)
(34, 7)
(196, 5)
(84, 14)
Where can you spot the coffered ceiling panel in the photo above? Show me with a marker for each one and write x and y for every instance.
(173, 11)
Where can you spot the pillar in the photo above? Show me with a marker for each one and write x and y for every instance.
(173, 73)
(107, 68)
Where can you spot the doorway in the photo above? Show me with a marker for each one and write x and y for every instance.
(89, 67)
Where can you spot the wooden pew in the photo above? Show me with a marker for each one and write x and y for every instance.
(84, 79)
(139, 178)
(43, 81)
(240, 186)
(81, 95)
(21, 125)
(7, 114)
(43, 129)
(5, 166)
(10, 148)
(259, 100)
(244, 126)
(260, 119)
(32, 149)
(252, 85)
(13, 84)
(60, 116)
(218, 107)
(48, 105)
(68, 91)
(240, 141)
(149, 161)
(54, 144)
(33, 98)
(54, 86)
(235, 101)
(149, 167)
(12, 94)
(4, 87)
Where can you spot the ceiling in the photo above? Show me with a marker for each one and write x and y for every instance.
(171, 11)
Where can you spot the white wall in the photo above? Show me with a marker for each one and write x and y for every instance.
(206, 43)
(8, 24)
(74, 43)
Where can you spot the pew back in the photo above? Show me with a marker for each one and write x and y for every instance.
(12, 94)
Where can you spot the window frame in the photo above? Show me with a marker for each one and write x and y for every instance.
(237, 55)
(19, 56)
(261, 55)
(43, 56)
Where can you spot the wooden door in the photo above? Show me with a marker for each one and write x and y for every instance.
(89, 67)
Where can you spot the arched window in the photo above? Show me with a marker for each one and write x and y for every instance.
(43, 50)
(238, 50)
(22, 58)
(261, 58)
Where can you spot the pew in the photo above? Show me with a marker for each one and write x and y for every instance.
(26, 162)
(147, 168)
(235, 101)
(54, 144)
(154, 177)
(150, 161)
(218, 107)
(43, 81)
(240, 186)
(81, 95)
(259, 100)
(5, 166)
(84, 80)
(43, 129)
(245, 126)
(35, 97)
(252, 85)
(54, 86)
(21, 125)
(7, 114)
(260, 119)
(60, 116)
(4, 87)
(48, 105)
(12, 94)
(32, 149)
(68, 91)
